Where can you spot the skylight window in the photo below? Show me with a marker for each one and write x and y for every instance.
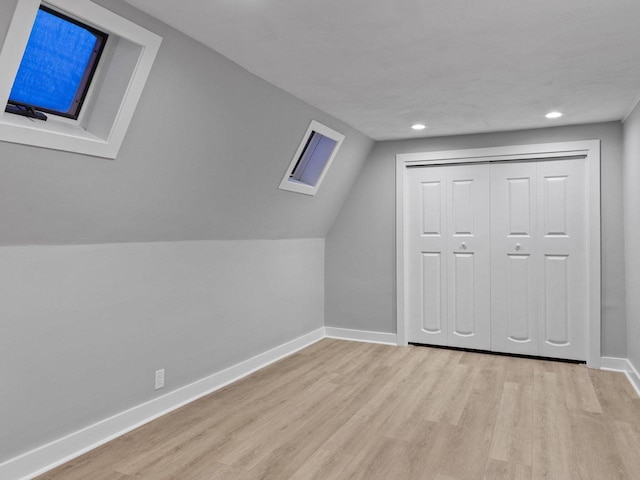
(57, 66)
(51, 61)
(312, 159)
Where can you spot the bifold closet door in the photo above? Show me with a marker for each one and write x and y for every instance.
(538, 258)
(514, 256)
(497, 257)
(448, 229)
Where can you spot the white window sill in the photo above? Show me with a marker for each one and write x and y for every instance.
(54, 134)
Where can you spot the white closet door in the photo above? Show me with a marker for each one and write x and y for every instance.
(449, 256)
(496, 257)
(427, 265)
(562, 283)
(514, 258)
(469, 256)
(538, 276)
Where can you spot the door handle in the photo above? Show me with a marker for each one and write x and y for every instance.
(518, 247)
(463, 246)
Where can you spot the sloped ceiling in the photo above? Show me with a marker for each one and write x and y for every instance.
(460, 66)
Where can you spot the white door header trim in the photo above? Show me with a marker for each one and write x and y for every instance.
(501, 154)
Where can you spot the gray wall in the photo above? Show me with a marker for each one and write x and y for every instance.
(83, 327)
(202, 159)
(360, 248)
(632, 232)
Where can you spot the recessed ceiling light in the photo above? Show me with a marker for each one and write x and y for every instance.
(418, 126)
(553, 115)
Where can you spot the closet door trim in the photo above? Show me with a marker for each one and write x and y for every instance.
(588, 150)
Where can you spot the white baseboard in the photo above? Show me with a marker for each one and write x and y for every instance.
(613, 364)
(623, 365)
(361, 335)
(46, 457)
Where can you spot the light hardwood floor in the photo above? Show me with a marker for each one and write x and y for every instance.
(347, 410)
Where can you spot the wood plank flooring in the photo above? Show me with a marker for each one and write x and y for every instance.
(347, 410)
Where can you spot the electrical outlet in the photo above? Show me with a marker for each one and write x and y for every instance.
(159, 379)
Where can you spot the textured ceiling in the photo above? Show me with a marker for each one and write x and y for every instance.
(460, 66)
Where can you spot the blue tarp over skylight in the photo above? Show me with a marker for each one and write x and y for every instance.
(54, 64)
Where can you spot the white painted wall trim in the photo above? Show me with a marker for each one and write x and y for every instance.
(46, 457)
(588, 149)
(361, 335)
(623, 365)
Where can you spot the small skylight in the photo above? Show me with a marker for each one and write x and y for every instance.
(82, 64)
(57, 66)
(312, 159)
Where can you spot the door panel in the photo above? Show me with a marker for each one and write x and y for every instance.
(431, 289)
(556, 300)
(520, 202)
(555, 205)
(448, 244)
(426, 266)
(432, 208)
(462, 201)
(514, 302)
(469, 266)
(562, 318)
(463, 311)
(519, 320)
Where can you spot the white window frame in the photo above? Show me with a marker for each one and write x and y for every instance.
(589, 150)
(297, 186)
(116, 87)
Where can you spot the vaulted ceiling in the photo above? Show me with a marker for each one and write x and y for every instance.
(459, 66)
